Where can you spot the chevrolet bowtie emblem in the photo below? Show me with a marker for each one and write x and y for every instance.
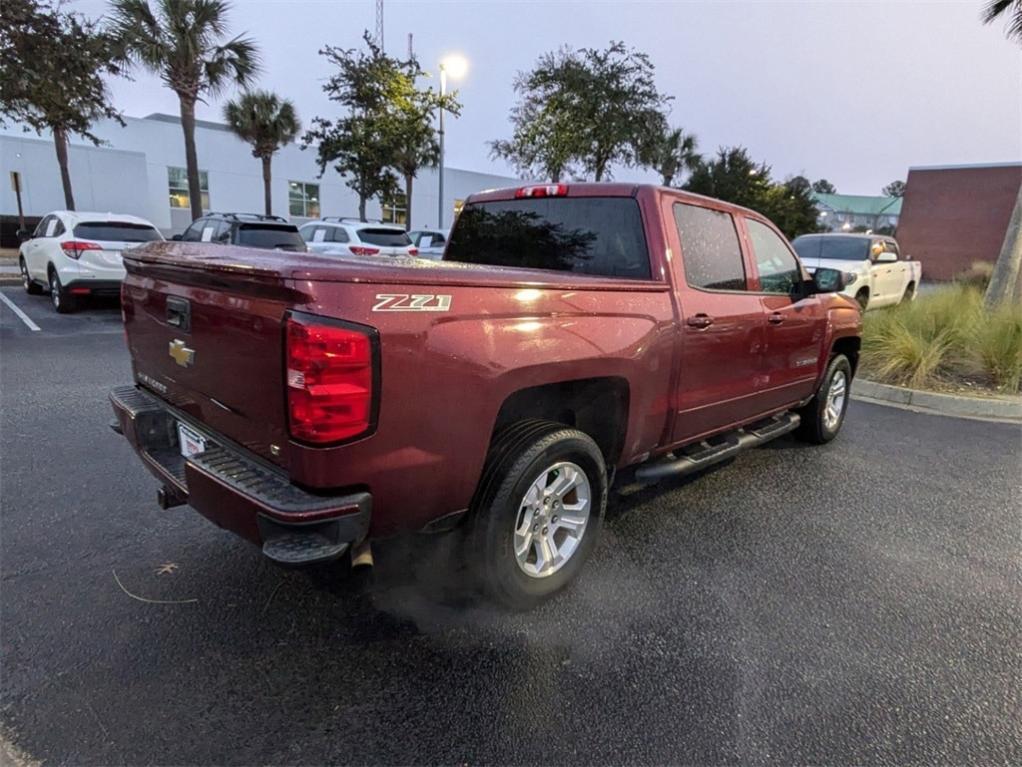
(181, 354)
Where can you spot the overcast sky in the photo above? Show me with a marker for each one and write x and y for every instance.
(852, 92)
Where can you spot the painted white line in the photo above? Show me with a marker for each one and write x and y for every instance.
(24, 317)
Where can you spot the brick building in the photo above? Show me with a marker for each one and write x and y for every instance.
(953, 215)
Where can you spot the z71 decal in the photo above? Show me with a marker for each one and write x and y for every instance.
(403, 302)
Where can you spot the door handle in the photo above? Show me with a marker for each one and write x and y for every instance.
(699, 320)
(776, 318)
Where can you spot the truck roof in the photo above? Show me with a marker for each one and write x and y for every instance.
(604, 189)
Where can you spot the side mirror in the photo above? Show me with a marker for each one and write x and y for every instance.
(886, 257)
(176, 238)
(828, 280)
(24, 235)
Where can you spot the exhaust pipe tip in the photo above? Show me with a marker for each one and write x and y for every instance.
(362, 556)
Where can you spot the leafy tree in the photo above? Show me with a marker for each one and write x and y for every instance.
(670, 152)
(894, 189)
(268, 123)
(360, 145)
(731, 176)
(52, 67)
(592, 107)
(1011, 10)
(734, 177)
(183, 42)
(823, 186)
(414, 137)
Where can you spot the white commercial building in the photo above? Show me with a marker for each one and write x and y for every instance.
(139, 169)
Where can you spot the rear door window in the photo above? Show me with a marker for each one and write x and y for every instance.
(710, 248)
(385, 238)
(590, 235)
(116, 231)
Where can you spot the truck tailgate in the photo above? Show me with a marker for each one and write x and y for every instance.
(207, 337)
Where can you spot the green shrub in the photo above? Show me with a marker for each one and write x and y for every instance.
(945, 337)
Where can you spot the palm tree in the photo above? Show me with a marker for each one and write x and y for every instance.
(181, 41)
(669, 152)
(995, 9)
(268, 123)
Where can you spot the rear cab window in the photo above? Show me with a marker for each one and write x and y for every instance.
(836, 248)
(600, 236)
(272, 236)
(116, 231)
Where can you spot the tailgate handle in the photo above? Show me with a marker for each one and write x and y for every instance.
(179, 313)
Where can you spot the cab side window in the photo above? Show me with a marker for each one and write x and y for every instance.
(710, 248)
(778, 270)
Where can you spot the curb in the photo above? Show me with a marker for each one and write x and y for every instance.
(944, 404)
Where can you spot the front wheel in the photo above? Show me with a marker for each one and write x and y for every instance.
(823, 416)
(538, 511)
(862, 297)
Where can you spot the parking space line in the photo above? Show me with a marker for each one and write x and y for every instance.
(24, 317)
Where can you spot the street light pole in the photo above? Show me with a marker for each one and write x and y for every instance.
(440, 200)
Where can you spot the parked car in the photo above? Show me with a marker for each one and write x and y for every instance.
(430, 242)
(250, 230)
(76, 255)
(878, 275)
(571, 332)
(352, 237)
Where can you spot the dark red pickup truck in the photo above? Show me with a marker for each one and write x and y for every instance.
(312, 403)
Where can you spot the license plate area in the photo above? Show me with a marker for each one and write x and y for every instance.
(190, 442)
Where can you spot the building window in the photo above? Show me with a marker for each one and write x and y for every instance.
(395, 211)
(177, 182)
(303, 199)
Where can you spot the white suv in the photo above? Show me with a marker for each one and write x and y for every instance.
(76, 255)
(351, 237)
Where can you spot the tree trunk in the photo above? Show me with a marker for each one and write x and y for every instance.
(409, 178)
(266, 185)
(1006, 281)
(60, 142)
(191, 158)
(361, 207)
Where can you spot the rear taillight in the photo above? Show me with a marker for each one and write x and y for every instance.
(542, 190)
(329, 379)
(75, 248)
(413, 251)
(362, 250)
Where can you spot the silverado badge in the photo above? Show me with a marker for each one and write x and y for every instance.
(181, 354)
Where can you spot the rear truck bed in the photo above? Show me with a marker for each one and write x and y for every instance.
(219, 373)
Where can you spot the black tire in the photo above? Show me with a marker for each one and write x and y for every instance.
(816, 427)
(31, 286)
(862, 297)
(62, 301)
(518, 457)
(910, 292)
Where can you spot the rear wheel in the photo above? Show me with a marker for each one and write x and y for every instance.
(823, 416)
(31, 286)
(538, 511)
(62, 302)
(910, 292)
(863, 298)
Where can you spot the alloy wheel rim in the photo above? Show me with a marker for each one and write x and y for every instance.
(835, 404)
(54, 291)
(25, 279)
(552, 518)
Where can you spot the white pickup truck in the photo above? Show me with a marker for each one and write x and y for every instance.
(878, 275)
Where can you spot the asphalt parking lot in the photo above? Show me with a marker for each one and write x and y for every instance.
(859, 603)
